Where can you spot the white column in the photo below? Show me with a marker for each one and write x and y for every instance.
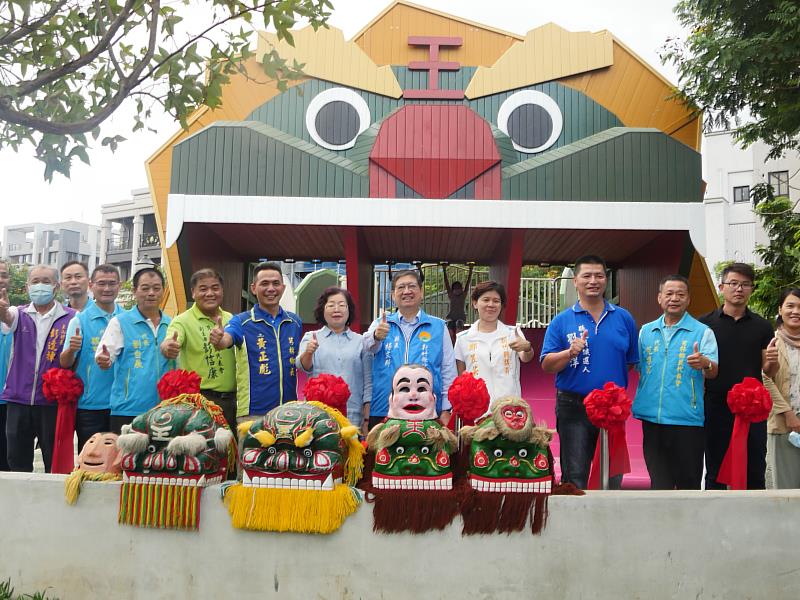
(138, 222)
(105, 234)
(716, 231)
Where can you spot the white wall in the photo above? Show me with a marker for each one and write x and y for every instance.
(604, 545)
(732, 229)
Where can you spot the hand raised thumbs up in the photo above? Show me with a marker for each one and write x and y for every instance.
(519, 343)
(76, 341)
(771, 355)
(103, 359)
(171, 347)
(578, 344)
(313, 344)
(382, 330)
(216, 334)
(696, 360)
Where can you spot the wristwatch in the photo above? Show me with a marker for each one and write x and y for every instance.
(709, 366)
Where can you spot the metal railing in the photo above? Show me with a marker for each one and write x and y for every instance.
(118, 244)
(539, 299)
(149, 240)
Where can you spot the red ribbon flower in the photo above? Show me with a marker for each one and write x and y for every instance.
(469, 397)
(62, 386)
(608, 408)
(750, 402)
(176, 382)
(328, 389)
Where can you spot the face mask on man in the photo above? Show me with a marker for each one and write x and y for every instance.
(41, 293)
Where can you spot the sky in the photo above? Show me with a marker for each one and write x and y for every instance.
(27, 197)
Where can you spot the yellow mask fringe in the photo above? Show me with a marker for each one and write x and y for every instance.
(301, 511)
(354, 465)
(73, 482)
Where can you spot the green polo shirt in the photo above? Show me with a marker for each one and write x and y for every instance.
(217, 369)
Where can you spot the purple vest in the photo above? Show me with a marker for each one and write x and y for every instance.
(21, 375)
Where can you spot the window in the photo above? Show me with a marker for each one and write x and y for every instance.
(779, 180)
(741, 193)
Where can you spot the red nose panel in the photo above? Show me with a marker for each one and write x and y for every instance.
(435, 149)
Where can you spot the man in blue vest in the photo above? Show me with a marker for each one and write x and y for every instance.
(677, 354)
(266, 339)
(409, 336)
(39, 330)
(75, 284)
(131, 345)
(83, 337)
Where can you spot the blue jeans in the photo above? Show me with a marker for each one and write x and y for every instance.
(578, 439)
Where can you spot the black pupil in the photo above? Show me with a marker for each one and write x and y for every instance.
(530, 125)
(337, 123)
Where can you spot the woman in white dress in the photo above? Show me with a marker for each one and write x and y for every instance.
(491, 349)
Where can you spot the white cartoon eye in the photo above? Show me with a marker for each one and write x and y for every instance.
(425, 450)
(522, 453)
(308, 452)
(497, 452)
(399, 450)
(271, 450)
(336, 117)
(531, 119)
(151, 449)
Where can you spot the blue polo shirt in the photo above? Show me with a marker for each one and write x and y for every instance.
(266, 352)
(612, 345)
(93, 321)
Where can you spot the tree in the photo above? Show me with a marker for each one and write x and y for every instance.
(18, 277)
(68, 65)
(782, 256)
(742, 56)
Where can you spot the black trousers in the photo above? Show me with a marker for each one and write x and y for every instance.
(3, 442)
(24, 424)
(116, 422)
(89, 422)
(719, 427)
(674, 455)
(227, 402)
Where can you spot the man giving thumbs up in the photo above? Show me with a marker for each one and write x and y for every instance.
(680, 353)
(190, 340)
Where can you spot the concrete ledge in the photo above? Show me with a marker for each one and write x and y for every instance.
(626, 544)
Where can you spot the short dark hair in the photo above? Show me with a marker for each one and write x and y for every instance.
(489, 286)
(739, 268)
(144, 271)
(588, 259)
(319, 310)
(405, 273)
(267, 266)
(72, 263)
(674, 277)
(105, 268)
(204, 274)
(784, 295)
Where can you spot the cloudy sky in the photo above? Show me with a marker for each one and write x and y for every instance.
(643, 26)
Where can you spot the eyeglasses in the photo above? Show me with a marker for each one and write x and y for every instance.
(411, 287)
(744, 285)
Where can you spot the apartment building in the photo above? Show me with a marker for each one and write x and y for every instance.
(52, 244)
(129, 234)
